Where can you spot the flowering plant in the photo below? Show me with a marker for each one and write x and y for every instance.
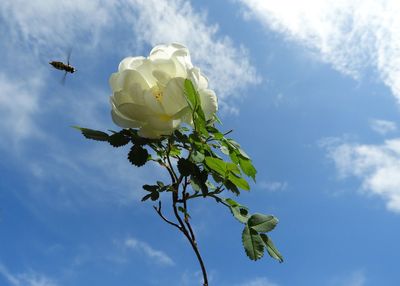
(168, 115)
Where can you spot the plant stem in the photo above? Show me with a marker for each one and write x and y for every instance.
(190, 238)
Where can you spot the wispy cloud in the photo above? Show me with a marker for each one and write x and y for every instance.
(272, 186)
(29, 278)
(153, 254)
(18, 105)
(351, 35)
(378, 167)
(260, 281)
(356, 278)
(226, 63)
(383, 126)
(32, 103)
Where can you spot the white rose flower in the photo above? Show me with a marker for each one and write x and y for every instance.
(148, 93)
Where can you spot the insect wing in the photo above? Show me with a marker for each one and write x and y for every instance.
(63, 78)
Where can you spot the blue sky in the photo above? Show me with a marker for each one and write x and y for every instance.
(311, 89)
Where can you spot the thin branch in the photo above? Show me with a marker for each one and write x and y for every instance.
(158, 210)
(185, 184)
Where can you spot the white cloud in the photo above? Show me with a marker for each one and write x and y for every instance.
(356, 278)
(225, 63)
(272, 185)
(352, 35)
(261, 281)
(29, 278)
(34, 106)
(155, 255)
(383, 126)
(18, 104)
(378, 166)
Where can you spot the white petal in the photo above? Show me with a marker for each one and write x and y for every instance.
(130, 63)
(135, 111)
(209, 102)
(149, 132)
(125, 79)
(153, 103)
(161, 122)
(198, 79)
(173, 99)
(146, 70)
(123, 121)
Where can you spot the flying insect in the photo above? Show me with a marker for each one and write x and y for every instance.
(66, 67)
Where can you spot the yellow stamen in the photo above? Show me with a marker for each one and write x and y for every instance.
(157, 93)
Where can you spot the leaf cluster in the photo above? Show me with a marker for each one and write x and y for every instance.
(202, 162)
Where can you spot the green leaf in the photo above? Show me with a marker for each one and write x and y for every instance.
(231, 187)
(138, 155)
(262, 223)
(186, 167)
(154, 196)
(93, 134)
(198, 181)
(252, 243)
(241, 213)
(238, 181)
(191, 95)
(231, 167)
(247, 167)
(216, 165)
(146, 197)
(224, 150)
(150, 188)
(271, 249)
(197, 156)
(118, 139)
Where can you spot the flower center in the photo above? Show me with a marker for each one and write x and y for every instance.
(157, 93)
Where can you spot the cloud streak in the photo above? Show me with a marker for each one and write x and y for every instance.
(377, 166)
(153, 254)
(25, 279)
(350, 35)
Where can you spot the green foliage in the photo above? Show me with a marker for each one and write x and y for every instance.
(138, 155)
(208, 164)
(262, 223)
(93, 134)
(271, 249)
(253, 244)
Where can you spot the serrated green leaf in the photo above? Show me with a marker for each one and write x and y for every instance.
(191, 95)
(216, 165)
(224, 150)
(186, 167)
(247, 167)
(138, 155)
(197, 156)
(271, 249)
(146, 197)
(154, 196)
(262, 223)
(241, 213)
(252, 243)
(231, 202)
(231, 167)
(231, 187)
(93, 134)
(238, 181)
(198, 181)
(174, 151)
(118, 139)
(150, 188)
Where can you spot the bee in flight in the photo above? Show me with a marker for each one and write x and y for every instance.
(64, 67)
